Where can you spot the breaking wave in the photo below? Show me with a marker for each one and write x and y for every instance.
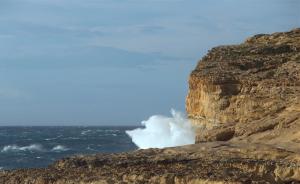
(85, 132)
(32, 147)
(59, 148)
(161, 131)
(15, 148)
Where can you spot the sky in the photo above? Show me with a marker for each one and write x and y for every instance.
(116, 62)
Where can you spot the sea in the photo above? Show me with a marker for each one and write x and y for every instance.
(37, 147)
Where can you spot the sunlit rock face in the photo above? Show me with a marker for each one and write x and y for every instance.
(245, 89)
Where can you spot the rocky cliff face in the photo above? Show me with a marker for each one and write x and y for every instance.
(244, 101)
(248, 89)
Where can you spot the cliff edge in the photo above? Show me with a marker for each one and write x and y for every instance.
(244, 102)
(249, 92)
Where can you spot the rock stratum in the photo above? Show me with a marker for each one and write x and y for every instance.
(244, 102)
(249, 92)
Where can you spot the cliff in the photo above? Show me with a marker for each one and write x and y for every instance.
(243, 100)
(249, 91)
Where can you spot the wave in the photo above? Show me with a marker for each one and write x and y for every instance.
(32, 147)
(71, 138)
(84, 132)
(50, 139)
(60, 148)
(89, 148)
(161, 131)
(54, 138)
(16, 148)
(107, 130)
(112, 130)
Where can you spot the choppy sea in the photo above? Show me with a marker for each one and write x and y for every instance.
(34, 147)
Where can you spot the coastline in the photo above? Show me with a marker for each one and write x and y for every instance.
(248, 115)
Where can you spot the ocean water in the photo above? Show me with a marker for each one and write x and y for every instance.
(34, 147)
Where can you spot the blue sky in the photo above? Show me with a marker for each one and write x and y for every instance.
(116, 62)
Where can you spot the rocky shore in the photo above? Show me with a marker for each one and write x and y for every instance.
(215, 162)
(244, 101)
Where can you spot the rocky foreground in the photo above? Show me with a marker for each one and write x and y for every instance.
(243, 100)
(215, 162)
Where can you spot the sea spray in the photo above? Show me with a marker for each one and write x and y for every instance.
(161, 131)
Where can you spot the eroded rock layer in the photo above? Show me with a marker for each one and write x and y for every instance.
(248, 89)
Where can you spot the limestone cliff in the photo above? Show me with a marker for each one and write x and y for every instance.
(244, 101)
(251, 90)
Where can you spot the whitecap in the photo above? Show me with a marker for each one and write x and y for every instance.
(60, 148)
(54, 138)
(71, 138)
(89, 148)
(16, 148)
(50, 139)
(84, 132)
(112, 131)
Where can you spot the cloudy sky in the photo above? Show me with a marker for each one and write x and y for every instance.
(116, 62)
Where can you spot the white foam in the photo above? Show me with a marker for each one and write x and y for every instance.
(89, 148)
(50, 139)
(59, 148)
(54, 138)
(112, 130)
(85, 132)
(16, 148)
(71, 138)
(161, 131)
